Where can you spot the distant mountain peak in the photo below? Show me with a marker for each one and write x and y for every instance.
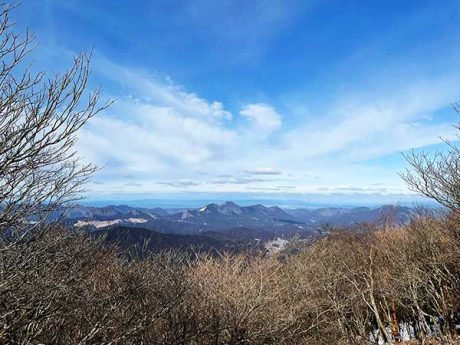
(209, 208)
(229, 207)
(187, 214)
(229, 204)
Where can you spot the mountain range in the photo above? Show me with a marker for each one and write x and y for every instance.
(224, 226)
(228, 216)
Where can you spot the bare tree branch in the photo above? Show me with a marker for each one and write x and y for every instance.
(40, 170)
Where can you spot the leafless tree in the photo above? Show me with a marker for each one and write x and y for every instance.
(436, 176)
(40, 169)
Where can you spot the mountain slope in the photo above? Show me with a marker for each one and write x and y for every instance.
(349, 216)
(230, 218)
(140, 241)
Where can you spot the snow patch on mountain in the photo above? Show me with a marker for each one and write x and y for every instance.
(104, 223)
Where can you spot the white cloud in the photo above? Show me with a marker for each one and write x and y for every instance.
(149, 138)
(151, 90)
(263, 117)
(376, 123)
(167, 137)
(264, 171)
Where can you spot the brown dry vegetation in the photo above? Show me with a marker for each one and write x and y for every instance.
(59, 287)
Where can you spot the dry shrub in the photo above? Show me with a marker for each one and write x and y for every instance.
(245, 299)
(65, 288)
(324, 282)
(349, 287)
(424, 271)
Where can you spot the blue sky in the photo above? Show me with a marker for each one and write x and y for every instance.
(257, 99)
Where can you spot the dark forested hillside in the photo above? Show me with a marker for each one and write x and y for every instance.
(139, 241)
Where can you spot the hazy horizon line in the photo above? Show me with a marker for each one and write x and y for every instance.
(283, 203)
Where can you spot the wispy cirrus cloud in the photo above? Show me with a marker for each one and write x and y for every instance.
(179, 183)
(264, 171)
(172, 139)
